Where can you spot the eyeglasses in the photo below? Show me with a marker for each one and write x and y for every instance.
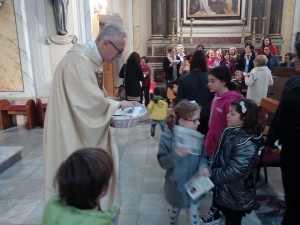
(194, 120)
(120, 51)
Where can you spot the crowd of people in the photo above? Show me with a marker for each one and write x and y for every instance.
(236, 84)
(229, 87)
(211, 102)
(177, 63)
(242, 66)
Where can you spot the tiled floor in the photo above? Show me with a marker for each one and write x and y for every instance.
(21, 186)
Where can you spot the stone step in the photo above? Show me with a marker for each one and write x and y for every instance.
(8, 156)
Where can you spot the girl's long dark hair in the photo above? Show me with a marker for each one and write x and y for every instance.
(134, 58)
(198, 61)
(223, 73)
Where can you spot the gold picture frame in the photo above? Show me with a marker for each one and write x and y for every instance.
(212, 9)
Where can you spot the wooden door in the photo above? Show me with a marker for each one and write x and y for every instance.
(109, 78)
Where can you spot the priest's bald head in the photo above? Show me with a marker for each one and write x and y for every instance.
(111, 42)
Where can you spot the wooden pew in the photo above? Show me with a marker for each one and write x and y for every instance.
(269, 104)
(280, 76)
(7, 110)
(41, 109)
(268, 157)
(268, 109)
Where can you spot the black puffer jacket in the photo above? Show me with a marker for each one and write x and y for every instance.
(233, 162)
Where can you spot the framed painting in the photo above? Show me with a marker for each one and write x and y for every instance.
(213, 9)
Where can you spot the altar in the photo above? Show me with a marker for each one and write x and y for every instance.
(176, 22)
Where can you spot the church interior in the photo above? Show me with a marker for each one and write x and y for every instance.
(31, 49)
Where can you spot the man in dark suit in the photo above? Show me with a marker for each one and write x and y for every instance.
(171, 67)
(245, 61)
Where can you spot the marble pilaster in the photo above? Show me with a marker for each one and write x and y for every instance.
(276, 19)
(258, 11)
(171, 12)
(158, 12)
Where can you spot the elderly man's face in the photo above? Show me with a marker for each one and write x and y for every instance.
(180, 49)
(113, 49)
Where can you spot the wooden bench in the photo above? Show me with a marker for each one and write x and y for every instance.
(41, 111)
(268, 109)
(268, 157)
(7, 110)
(280, 76)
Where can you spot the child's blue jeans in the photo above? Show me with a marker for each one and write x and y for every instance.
(153, 125)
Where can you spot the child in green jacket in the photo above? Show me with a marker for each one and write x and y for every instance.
(83, 179)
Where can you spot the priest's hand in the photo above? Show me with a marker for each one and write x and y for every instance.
(127, 104)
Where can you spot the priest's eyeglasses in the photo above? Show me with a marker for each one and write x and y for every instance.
(119, 50)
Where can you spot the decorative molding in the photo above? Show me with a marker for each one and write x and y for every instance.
(61, 40)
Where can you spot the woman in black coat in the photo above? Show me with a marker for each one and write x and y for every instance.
(132, 72)
(193, 87)
(285, 126)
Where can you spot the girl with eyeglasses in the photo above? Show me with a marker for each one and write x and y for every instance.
(181, 165)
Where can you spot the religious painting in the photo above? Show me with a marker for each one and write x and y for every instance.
(213, 9)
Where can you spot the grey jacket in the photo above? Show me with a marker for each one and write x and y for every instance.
(178, 170)
(234, 161)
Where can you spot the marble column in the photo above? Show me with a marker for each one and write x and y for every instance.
(276, 19)
(258, 11)
(171, 12)
(158, 20)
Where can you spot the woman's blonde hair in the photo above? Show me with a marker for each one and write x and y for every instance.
(261, 60)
